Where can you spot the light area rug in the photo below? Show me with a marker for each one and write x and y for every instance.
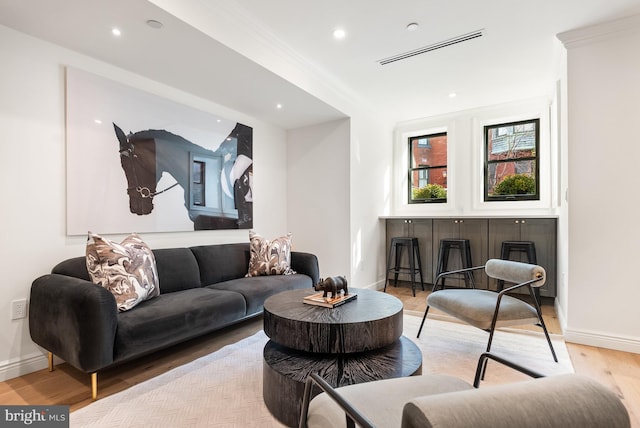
(224, 389)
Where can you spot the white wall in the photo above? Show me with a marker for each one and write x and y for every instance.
(318, 188)
(338, 183)
(32, 223)
(370, 175)
(603, 154)
(465, 160)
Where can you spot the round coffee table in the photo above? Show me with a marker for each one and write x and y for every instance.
(357, 342)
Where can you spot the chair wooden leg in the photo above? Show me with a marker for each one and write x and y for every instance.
(94, 386)
(50, 360)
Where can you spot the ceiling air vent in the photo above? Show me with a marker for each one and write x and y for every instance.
(433, 47)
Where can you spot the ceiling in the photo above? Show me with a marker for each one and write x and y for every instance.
(517, 56)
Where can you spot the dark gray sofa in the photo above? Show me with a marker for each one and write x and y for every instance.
(202, 289)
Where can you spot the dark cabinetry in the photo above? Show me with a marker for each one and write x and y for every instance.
(485, 236)
(541, 231)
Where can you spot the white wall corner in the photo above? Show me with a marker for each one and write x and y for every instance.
(561, 314)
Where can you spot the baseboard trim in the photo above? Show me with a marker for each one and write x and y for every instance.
(19, 367)
(590, 338)
(378, 286)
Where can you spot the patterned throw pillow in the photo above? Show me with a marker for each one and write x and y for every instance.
(127, 270)
(270, 257)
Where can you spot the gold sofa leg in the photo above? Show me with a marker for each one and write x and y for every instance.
(94, 386)
(50, 359)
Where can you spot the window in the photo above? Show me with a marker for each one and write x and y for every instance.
(428, 168)
(511, 168)
(198, 183)
(206, 193)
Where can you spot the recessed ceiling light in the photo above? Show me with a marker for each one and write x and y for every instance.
(278, 106)
(116, 31)
(413, 26)
(339, 33)
(97, 121)
(452, 95)
(154, 24)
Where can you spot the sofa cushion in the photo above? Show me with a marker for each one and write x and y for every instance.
(477, 307)
(221, 262)
(269, 257)
(175, 317)
(177, 269)
(126, 269)
(257, 289)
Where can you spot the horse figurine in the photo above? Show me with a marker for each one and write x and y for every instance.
(333, 284)
(146, 155)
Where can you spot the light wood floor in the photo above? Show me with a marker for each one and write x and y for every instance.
(620, 371)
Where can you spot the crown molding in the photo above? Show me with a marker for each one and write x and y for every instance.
(271, 52)
(599, 32)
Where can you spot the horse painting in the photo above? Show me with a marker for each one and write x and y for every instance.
(217, 185)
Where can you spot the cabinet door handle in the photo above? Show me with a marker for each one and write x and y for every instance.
(517, 221)
(409, 221)
(523, 221)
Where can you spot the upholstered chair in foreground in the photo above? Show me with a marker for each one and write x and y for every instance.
(561, 401)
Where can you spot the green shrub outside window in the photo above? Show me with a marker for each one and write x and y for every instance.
(428, 168)
(511, 170)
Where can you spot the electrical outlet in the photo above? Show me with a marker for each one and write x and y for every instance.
(18, 309)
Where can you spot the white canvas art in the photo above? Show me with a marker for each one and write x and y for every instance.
(140, 162)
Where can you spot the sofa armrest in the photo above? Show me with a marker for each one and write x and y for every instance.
(554, 402)
(307, 264)
(74, 319)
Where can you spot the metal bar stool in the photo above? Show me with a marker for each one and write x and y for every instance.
(525, 247)
(464, 249)
(398, 244)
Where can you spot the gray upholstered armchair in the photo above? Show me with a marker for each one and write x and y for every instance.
(486, 309)
(445, 401)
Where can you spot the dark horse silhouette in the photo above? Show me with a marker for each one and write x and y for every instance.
(145, 155)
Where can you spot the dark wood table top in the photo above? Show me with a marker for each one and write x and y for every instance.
(372, 321)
